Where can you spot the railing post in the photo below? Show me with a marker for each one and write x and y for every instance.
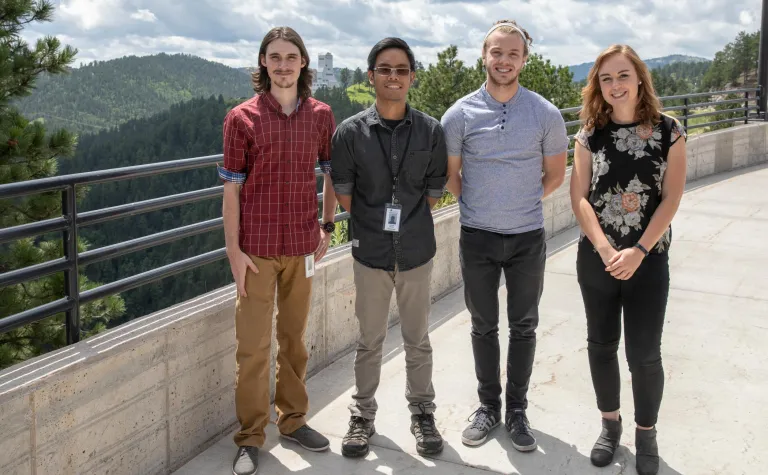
(762, 77)
(746, 106)
(71, 280)
(685, 114)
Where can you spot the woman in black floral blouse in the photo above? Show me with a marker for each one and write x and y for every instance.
(627, 182)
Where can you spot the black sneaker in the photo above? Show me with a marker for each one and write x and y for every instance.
(482, 421)
(606, 445)
(428, 439)
(647, 452)
(308, 438)
(520, 431)
(246, 461)
(355, 443)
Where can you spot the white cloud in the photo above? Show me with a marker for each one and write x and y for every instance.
(144, 15)
(564, 31)
(89, 14)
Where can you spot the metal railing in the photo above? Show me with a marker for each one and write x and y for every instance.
(71, 220)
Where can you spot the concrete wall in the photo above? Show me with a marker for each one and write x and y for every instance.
(149, 395)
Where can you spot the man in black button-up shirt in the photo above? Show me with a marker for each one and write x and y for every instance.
(389, 167)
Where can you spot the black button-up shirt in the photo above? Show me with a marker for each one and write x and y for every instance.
(365, 155)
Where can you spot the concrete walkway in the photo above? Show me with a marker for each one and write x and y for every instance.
(714, 415)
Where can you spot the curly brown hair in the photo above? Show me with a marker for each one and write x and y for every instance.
(595, 111)
(527, 40)
(260, 77)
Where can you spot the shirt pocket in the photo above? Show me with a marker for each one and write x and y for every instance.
(416, 164)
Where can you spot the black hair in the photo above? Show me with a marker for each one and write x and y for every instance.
(388, 43)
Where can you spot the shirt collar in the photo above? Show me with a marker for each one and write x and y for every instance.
(373, 117)
(274, 105)
(489, 99)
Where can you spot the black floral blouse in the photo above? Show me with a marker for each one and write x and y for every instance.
(628, 165)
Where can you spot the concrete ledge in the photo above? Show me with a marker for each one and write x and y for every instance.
(151, 394)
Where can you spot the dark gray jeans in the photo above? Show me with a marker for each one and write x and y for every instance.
(522, 257)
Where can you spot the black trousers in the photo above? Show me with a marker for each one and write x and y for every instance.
(643, 298)
(484, 255)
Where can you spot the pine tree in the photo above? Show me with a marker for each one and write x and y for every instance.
(26, 153)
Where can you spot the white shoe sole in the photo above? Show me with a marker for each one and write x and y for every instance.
(311, 449)
(525, 448)
(475, 443)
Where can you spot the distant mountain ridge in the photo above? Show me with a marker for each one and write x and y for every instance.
(104, 94)
(580, 71)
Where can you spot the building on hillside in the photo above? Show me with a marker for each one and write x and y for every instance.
(324, 74)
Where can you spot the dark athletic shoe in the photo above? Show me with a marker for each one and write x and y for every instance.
(520, 431)
(308, 438)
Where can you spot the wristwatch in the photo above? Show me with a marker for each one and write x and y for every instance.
(329, 227)
(643, 249)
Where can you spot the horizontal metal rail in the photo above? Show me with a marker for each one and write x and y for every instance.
(36, 314)
(73, 219)
(33, 272)
(130, 209)
(151, 276)
(37, 228)
(126, 247)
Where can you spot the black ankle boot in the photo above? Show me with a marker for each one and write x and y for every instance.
(647, 457)
(607, 443)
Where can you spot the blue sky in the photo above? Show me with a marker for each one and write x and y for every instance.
(229, 31)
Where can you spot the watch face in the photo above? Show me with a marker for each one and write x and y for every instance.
(329, 227)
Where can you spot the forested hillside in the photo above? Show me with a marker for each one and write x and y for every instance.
(189, 129)
(735, 64)
(580, 71)
(102, 94)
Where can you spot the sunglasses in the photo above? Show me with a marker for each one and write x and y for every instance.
(386, 71)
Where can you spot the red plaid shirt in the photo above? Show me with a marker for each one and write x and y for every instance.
(273, 156)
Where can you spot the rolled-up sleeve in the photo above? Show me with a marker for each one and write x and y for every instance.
(324, 156)
(436, 176)
(235, 164)
(342, 161)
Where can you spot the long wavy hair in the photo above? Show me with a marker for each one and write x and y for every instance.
(595, 111)
(260, 77)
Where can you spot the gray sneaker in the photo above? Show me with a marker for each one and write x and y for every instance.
(246, 461)
(482, 421)
(308, 438)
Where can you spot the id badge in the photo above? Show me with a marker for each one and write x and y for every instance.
(309, 265)
(392, 218)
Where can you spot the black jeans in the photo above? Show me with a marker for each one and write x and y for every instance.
(522, 257)
(644, 300)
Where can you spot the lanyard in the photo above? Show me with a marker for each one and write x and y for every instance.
(399, 163)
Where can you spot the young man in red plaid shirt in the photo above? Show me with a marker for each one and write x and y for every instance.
(273, 238)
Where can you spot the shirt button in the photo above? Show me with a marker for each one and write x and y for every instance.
(503, 120)
(502, 127)
(394, 157)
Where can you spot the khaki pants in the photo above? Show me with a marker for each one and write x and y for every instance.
(253, 328)
(374, 291)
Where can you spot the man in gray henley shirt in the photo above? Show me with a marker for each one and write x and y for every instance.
(500, 139)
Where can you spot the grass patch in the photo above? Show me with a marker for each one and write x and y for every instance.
(361, 94)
